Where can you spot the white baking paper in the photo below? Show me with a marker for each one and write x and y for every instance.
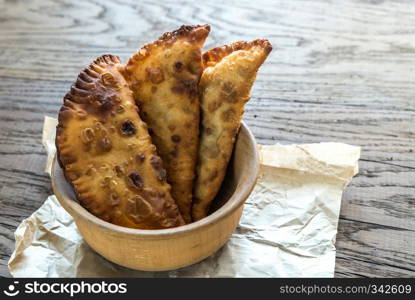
(288, 226)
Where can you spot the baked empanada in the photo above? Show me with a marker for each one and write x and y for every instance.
(164, 77)
(224, 88)
(107, 155)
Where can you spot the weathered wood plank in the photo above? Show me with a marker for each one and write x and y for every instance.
(372, 250)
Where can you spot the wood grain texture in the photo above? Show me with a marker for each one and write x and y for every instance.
(341, 71)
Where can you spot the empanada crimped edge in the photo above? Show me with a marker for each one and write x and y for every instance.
(164, 77)
(225, 85)
(215, 55)
(106, 152)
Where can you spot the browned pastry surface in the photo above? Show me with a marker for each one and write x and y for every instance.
(224, 88)
(164, 77)
(107, 154)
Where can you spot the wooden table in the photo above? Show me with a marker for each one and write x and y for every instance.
(340, 71)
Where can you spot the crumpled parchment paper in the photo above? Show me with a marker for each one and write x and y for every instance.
(288, 226)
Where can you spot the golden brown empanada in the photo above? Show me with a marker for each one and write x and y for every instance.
(107, 154)
(164, 77)
(224, 89)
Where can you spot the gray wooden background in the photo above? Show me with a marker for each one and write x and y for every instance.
(340, 71)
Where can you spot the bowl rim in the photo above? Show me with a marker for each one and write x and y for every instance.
(235, 201)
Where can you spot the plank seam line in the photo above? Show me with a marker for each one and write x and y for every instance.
(378, 263)
(378, 225)
(386, 163)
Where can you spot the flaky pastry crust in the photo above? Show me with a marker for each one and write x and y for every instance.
(224, 88)
(107, 155)
(164, 77)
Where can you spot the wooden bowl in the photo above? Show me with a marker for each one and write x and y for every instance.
(168, 249)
